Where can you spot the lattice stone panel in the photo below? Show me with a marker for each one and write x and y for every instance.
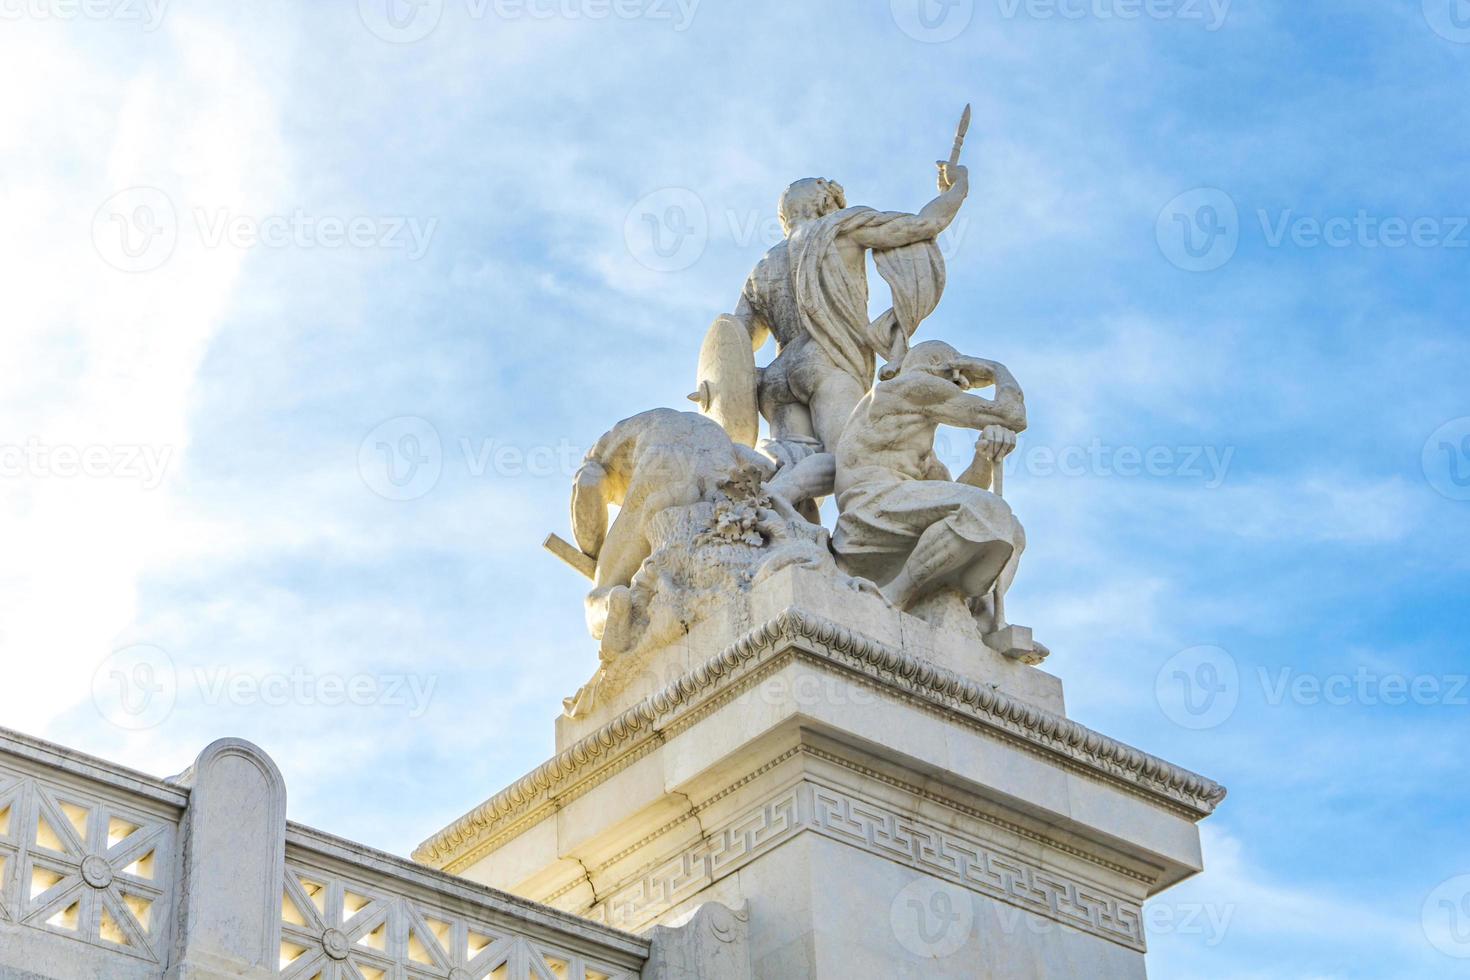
(333, 928)
(83, 866)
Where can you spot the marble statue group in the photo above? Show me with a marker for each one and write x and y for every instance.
(705, 508)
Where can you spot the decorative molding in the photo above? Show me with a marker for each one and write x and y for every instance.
(692, 814)
(639, 730)
(722, 851)
(978, 866)
(1006, 825)
(883, 831)
(50, 757)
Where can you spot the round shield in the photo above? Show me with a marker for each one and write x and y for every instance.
(727, 383)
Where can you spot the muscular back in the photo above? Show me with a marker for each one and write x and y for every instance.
(771, 294)
(889, 437)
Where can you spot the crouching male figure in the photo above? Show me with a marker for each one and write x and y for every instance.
(905, 524)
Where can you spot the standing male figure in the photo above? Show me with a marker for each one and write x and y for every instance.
(811, 292)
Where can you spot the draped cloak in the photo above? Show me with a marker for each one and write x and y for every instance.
(834, 303)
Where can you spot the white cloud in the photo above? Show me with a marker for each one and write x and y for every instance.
(111, 355)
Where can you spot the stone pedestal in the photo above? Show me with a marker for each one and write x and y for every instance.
(881, 797)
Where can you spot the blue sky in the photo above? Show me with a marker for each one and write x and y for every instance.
(1223, 247)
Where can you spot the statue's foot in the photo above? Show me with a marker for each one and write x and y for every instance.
(1017, 643)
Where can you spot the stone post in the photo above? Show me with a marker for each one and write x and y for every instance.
(712, 944)
(233, 854)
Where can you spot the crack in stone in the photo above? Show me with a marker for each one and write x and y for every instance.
(587, 875)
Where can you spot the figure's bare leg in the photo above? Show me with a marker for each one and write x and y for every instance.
(836, 395)
(788, 420)
(623, 553)
(811, 478)
(941, 556)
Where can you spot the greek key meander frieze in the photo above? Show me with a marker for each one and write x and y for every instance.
(982, 868)
(1069, 743)
(85, 866)
(335, 927)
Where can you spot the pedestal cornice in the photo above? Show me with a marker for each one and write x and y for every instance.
(799, 634)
